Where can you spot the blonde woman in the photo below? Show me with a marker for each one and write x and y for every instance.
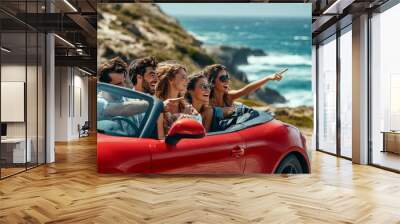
(172, 84)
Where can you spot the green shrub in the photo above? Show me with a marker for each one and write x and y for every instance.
(298, 121)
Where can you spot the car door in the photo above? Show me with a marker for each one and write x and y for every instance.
(124, 136)
(213, 154)
(264, 139)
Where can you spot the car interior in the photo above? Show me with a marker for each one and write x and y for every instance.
(243, 117)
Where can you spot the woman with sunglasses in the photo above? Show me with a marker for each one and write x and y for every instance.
(221, 95)
(172, 84)
(198, 94)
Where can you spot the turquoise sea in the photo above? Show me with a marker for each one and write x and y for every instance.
(287, 42)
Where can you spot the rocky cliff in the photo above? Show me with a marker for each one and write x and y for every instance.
(137, 30)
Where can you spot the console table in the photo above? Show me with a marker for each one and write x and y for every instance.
(391, 141)
(13, 150)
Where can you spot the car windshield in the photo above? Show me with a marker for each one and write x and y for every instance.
(120, 112)
(243, 117)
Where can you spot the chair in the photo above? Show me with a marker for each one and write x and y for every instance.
(84, 130)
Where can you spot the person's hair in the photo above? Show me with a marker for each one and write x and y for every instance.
(168, 62)
(193, 79)
(166, 73)
(211, 72)
(115, 65)
(138, 67)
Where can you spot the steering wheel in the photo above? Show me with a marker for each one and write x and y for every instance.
(120, 119)
(240, 109)
(242, 114)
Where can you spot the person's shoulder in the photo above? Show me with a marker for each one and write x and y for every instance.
(188, 108)
(208, 110)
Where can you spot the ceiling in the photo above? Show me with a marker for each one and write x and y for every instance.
(74, 22)
(328, 15)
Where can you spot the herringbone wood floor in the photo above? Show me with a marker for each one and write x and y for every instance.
(70, 191)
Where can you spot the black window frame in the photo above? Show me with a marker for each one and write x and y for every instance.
(333, 33)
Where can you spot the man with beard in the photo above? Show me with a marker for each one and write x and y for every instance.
(143, 75)
(142, 72)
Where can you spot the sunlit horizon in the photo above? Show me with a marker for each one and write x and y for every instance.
(277, 10)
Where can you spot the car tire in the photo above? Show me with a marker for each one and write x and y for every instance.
(290, 165)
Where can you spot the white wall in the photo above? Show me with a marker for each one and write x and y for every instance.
(71, 94)
(61, 103)
(33, 126)
(80, 110)
(10, 73)
(16, 73)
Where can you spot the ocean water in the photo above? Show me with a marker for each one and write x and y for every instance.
(287, 42)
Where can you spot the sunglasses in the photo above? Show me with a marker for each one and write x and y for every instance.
(224, 78)
(205, 86)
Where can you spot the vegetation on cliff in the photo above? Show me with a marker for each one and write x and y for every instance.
(138, 30)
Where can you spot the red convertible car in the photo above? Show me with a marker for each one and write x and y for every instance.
(251, 144)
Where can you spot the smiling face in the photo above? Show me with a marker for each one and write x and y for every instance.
(201, 91)
(221, 83)
(180, 81)
(149, 80)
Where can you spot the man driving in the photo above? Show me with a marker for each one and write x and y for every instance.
(112, 107)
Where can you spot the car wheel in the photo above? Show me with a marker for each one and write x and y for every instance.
(290, 165)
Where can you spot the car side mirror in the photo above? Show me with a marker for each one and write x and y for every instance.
(184, 128)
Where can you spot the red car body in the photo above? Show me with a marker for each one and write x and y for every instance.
(257, 144)
(257, 149)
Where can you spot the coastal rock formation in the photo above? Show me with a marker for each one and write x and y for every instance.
(233, 56)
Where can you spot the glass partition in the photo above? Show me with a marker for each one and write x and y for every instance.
(14, 153)
(346, 93)
(385, 89)
(22, 88)
(327, 95)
